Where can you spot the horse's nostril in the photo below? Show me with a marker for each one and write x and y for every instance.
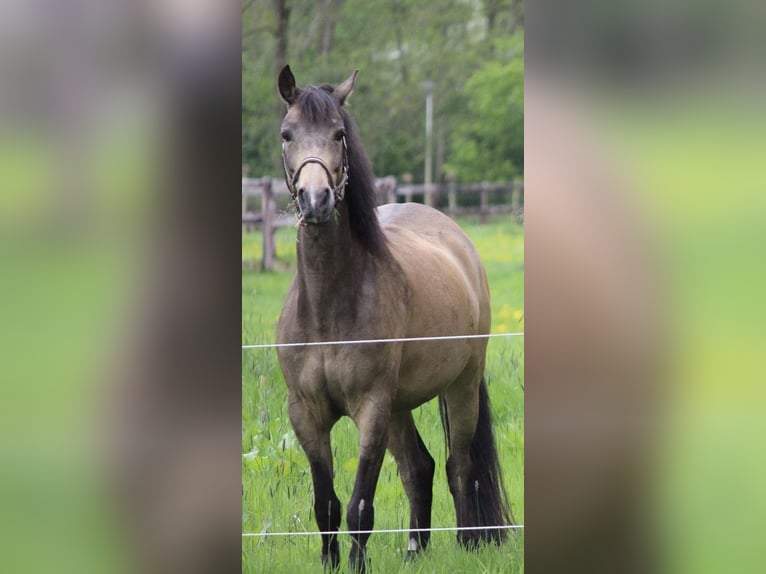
(301, 190)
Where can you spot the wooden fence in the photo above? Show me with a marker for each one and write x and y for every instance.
(452, 198)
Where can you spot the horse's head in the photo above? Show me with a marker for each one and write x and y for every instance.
(314, 145)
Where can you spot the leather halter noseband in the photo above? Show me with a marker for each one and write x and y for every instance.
(338, 190)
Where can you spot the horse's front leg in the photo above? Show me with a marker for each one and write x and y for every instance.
(314, 436)
(371, 418)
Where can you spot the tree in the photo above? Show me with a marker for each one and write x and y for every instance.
(488, 141)
(396, 44)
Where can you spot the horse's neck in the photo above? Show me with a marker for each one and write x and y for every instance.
(332, 266)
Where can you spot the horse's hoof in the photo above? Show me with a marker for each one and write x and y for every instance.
(411, 555)
(358, 565)
(469, 540)
(331, 561)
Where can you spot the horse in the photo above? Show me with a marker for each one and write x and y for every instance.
(395, 272)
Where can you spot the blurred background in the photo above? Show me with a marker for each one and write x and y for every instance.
(644, 272)
(119, 378)
(124, 136)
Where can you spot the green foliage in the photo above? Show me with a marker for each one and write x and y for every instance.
(488, 141)
(396, 45)
(277, 492)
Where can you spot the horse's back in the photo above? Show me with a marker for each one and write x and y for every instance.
(416, 231)
(428, 223)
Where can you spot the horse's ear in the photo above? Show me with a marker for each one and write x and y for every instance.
(287, 89)
(344, 89)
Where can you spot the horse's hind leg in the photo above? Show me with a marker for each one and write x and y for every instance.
(314, 437)
(473, 469)
(416, 468)
(462, 409)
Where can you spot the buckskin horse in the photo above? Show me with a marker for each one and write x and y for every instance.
(399, 271)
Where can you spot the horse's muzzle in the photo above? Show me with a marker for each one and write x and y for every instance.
(315, 205)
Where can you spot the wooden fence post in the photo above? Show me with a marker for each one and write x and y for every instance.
(428, 194)
(267, 210)
(385, 190)
(484, 205)
(245, 175)
(452, 196)
(407, 179)
(515, 197)
(392, 190)
(244, 211)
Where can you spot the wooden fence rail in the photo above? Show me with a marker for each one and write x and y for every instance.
(273, 192)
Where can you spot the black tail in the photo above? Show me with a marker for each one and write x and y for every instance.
(491, 499)
(494, 509)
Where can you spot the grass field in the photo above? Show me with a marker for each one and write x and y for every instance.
(277, 493)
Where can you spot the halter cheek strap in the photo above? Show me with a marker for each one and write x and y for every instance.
(338, 190)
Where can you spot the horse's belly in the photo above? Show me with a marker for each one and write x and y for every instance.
(427, 369)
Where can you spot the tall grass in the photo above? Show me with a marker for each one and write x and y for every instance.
(277, 493)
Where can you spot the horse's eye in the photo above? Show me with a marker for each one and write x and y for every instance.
(339, 135)
(287, 136)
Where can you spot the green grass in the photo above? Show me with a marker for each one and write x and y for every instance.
(277, 493)
(59, 303)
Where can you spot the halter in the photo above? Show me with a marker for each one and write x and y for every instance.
(338, 191)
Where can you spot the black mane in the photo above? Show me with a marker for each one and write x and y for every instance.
(317, 102)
